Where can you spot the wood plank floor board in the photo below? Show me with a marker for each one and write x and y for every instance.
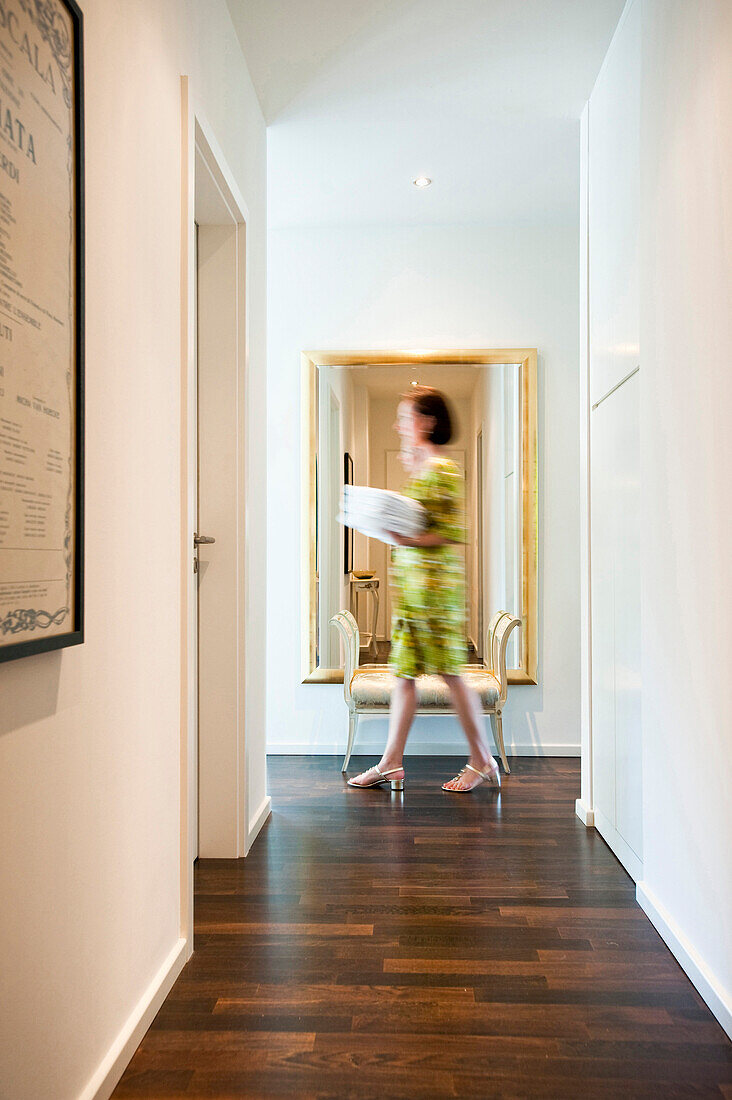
(555, 1088)
(164, 1084)
(276, 1022)
(422, 945)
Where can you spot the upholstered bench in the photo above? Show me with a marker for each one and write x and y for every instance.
(368, 690)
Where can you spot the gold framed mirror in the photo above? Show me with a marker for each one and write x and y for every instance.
(349, 401)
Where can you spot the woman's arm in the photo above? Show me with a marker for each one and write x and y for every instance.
(419, 540)
(442, 496)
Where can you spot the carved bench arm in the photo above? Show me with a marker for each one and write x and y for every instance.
(347, 627)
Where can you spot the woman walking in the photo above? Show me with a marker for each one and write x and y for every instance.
(428, 623)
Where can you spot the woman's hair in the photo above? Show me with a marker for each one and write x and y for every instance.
(428, 401)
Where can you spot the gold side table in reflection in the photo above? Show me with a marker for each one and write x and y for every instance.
(366, 582)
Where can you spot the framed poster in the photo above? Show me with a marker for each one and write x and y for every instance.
(347, 531)
(41, 326)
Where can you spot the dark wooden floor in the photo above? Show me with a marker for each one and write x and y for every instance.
(427, 945)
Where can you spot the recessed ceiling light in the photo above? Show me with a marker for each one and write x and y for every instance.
(422, 181)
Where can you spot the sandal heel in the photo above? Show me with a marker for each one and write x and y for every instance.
(397, 784)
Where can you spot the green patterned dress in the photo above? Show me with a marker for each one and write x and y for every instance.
(428, 582)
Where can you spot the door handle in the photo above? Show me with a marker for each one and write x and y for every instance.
(202, 540)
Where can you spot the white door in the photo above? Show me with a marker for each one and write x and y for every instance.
(216, 764)
(193, 580)
(218, 665)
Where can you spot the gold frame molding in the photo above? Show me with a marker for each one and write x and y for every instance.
(527, 360)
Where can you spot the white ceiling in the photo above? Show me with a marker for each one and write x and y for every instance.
(391, 380)
(482, 95)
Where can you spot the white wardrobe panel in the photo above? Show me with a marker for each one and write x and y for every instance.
(614, 193)
(603, 613)
(625, 414)
(615, 548)
(613, 186)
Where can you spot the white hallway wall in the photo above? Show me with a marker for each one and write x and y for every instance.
(686, 458)
(398, 286)
(90, 737)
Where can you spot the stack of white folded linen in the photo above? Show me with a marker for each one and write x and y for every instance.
(377, 512)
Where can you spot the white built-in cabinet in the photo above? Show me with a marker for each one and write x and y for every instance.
(615, 572)
(613, 388)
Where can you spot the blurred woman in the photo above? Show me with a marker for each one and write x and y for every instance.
(428, 622)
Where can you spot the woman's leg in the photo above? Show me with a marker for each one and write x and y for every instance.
(470, 713)
(401, 715)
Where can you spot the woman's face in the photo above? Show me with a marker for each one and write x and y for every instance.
(413, 428)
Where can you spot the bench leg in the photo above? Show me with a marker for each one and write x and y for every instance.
(373, 645)
(497, 727)
(352, 723)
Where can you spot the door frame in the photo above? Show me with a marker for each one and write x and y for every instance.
(585, 804)
(197, 134)
(480, 552)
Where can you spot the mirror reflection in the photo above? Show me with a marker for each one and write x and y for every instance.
(358, 444)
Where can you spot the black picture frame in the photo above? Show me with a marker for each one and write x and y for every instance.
(74, 636)
(347, 531)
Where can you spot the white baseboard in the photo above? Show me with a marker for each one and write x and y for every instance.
(433, 748)
(584, 813)
(620, 848)
(116, 1060)
(258, 821)
(718, 999)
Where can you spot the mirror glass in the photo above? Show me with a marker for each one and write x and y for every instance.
(357, 443)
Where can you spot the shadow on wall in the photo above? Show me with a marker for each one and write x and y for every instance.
(529, 735)
(31, 692)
